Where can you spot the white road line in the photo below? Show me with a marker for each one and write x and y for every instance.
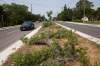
(14, 47)
(89, 37)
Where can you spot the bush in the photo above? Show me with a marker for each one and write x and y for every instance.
(30, 59)
(25, 40)
(40, 38)
(97, 63)
(84, 59)
(21, 59)
(57, 51)
(47, 24)
(61, 33)
(69, 49)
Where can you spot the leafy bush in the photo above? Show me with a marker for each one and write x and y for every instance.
(52, 62)
(47, 24)
(84, 59)
(61, 33)
(97, 63)
(30, 59)
(69, 49)
(25, 40)
(20, 59)
(40, 38)
(57, 51)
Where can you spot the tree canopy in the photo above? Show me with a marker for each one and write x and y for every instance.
(12, 14)
(83, 8)
(65, 14)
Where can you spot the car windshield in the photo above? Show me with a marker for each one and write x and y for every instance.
(27, 23)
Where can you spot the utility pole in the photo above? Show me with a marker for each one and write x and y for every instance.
(83, 10)
(31, 8)
(2, 20)
(84, 7)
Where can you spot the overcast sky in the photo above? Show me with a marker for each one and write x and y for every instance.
(42, 6)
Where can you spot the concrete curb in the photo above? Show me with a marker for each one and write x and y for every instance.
(93, 25)
(14, 47)
(91, 38)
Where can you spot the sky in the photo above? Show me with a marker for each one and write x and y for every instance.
(42, 6)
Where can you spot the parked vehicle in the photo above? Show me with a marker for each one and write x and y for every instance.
(27, 25)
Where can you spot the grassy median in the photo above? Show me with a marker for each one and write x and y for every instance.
(55, 46)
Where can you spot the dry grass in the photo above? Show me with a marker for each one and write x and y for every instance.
(92, 50)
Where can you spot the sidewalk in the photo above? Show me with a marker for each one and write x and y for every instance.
(5, 28)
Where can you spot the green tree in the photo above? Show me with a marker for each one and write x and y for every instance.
(1, 12)
(1, 9)
(83, 8)
(97, 16)
(43, 18)
(14, 14)
(66, 14)
(49, 14)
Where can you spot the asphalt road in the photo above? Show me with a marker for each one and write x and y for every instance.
(9, 36)
(90, 30)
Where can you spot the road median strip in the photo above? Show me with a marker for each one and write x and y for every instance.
(13, 48)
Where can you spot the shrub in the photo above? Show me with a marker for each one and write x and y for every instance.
(40, 38)
(84, 59)
(20, 59)
(47, 24)
(69, 49)
(25, 40)
(61, 33)
(97, 63)
(52, 62)
(56, 49)
(30, 59)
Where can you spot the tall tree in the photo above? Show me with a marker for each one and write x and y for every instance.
(1, 9)
(1, 12)
(49, 14)
(66, 14)
(97, 16)
(83, 7)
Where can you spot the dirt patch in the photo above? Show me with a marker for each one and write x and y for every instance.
(92, 50)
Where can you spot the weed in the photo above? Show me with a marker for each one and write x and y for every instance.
(40, 38)
(61, 33)
(47, 24)
(25, 40)
(97, 63)
(29, 59)
(69, 49)
(84, 59)
(56, 49)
